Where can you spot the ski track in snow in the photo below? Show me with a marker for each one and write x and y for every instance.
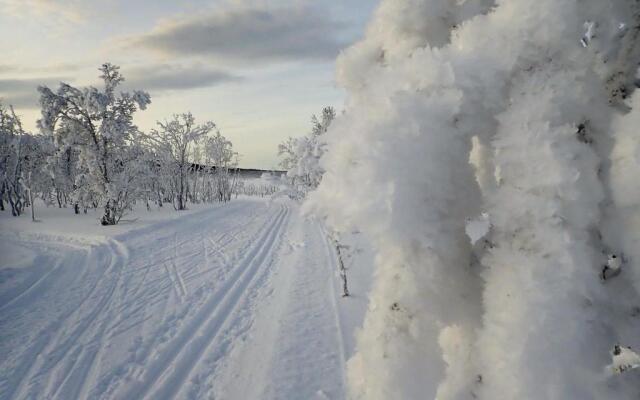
(309, 354)
(221, 303)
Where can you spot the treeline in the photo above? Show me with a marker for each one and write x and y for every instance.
(300, 156)
(88, 154)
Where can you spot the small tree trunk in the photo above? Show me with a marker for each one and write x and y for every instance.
(109, 217)
(2, 197)
(343, 270)
(181, 192)
(19, 204)
(33, 206)
(14, 210)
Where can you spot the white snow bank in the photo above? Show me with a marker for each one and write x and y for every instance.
(15, 256)
(478, 227)
(534, 320)
(61, 224)
(625, 170)
(624, 359)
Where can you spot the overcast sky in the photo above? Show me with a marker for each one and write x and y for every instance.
(258, 69)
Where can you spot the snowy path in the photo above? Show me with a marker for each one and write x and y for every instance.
(232, 302)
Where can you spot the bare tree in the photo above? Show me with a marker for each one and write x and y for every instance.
(174, 141)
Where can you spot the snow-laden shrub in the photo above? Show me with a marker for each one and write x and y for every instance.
(625, 190)
(98, 124)
(300, 156)
(532, 88)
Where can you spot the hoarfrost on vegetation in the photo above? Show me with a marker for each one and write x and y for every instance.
(478, 227)
(301, 155)
(623, 359)
(90, 155)
(526, 111)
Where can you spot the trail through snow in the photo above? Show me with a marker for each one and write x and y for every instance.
(232, 302)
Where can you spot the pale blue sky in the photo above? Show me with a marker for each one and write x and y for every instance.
(259, 69)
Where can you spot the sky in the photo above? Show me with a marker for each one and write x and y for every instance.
(259, 69)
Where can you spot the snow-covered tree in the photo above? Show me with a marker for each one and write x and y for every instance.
(63, 167)
(288, 154)
(174, 142)
(99, 125)
(300, 156)
(503, 107)
(35, 179)
(22, 156)
(11, 157)
(220, 155)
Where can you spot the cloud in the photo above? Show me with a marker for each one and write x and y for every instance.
(27, 101)
(174, 77)
(155, 78)
(38, 69)
(23, 93)
(242, 33)
(67, 10)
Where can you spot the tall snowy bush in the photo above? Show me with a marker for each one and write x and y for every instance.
(174, 142)
(12, 154)
(300, 156)
(22, 156)
(219, 154)
(505, 107)
(99, 124)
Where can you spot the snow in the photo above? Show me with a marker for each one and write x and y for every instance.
(624, 359)
(15, 256)
(460, 107)
(237, 300)
(64, 225)
(478, 227)
(624, 223)
(486, 164)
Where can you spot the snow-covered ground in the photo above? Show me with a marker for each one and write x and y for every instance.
(234, 301)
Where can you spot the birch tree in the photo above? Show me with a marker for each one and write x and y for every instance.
(174, 141)
(99, 124)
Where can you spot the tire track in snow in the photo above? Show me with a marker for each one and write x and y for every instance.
(267, 225)
(231, 237)
(74, 384)
(92, 300)
(218, 249)
(153, 291)
(218, 343)
(333, 269)
(86, 342)
(14, 383)
(202, 327)
(174, 284)
(307, 360)
(177, 278)
(54, 342)
(33, 287)
(146, 294)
